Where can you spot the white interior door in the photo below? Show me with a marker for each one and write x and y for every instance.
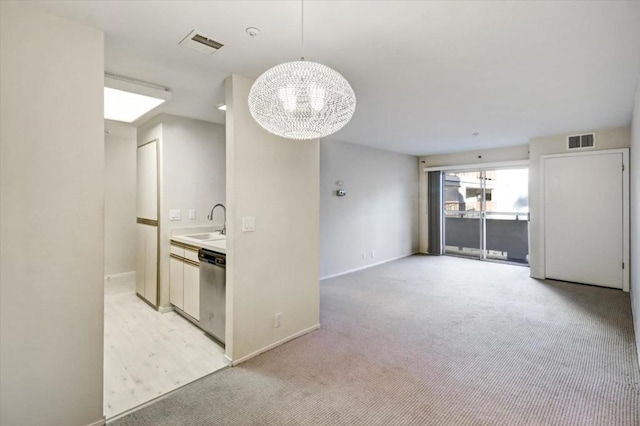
(583, 219)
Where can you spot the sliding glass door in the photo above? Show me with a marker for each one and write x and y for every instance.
(486, 214)
(507, 215)
(462, 213)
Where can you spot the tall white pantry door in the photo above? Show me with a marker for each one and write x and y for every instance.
(584, 217)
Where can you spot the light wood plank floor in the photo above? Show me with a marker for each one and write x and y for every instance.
(146, 353)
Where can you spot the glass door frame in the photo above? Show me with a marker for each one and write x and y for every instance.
(480, 214)
(482, 168)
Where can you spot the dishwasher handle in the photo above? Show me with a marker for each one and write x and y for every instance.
(213, 258)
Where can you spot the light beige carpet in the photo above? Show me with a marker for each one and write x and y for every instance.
(434, 341)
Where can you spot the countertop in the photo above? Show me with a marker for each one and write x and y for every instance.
(217, 244)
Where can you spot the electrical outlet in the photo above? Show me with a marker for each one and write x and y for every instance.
(364, 256)
(192, 214)
(277, 320)
(373, 254)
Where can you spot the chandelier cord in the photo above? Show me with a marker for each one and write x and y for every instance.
(302, 30)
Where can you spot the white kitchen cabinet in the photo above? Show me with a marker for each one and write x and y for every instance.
(176, 282)
(147, 181)
(184, 285)
(147, 262)
(141, 252)
(147, 227)
(192, 290)
(177, 250)
(151, 266)
(191, 255)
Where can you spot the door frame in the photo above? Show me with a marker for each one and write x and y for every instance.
(483, 167)
(479, 166)
(625, 206)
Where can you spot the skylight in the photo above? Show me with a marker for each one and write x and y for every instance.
(126, 106)
(127, 99)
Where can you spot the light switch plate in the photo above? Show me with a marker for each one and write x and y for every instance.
(175, 214)
(192, 213)
(248, 224)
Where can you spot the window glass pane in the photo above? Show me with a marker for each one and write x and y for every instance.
(507, 214)
(462, 204)
(508, 192)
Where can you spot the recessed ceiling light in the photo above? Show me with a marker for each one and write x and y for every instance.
(222, 107)
(126, 99)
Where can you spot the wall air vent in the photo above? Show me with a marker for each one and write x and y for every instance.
(586, 141)
(201, 43)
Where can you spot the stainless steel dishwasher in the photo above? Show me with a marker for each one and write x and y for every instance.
(212, 292)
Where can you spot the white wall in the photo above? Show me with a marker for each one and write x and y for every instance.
(193, 169)
(51, 226)
(634, 178)
(515, 153)
(378, 215)
(150, 131)
(192, 176)
(119, 198)
(276, 268)
(605, 139)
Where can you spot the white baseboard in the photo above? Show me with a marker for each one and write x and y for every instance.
(165, 309)
(99, 422)
(120, 275)
(227, 360)
(366, 266)
(273, 345)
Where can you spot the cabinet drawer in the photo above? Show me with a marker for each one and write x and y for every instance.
(177, 250)
(191, 254)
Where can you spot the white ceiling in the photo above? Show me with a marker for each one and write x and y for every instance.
(426, 74)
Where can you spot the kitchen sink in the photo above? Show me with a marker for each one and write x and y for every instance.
(209, 236)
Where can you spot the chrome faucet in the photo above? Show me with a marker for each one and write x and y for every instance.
(224, 209)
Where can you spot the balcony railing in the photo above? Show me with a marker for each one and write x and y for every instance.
(507, 234)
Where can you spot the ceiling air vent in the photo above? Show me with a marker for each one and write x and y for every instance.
(586, 141)
(201, 43)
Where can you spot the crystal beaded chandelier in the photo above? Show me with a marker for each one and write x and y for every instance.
(301, 99)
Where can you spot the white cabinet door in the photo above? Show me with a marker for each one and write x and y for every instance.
(147, 262)
(151, 265)
(583, 219)
(147, 181)
(176, 282)
(192, 290)
(140, 257)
